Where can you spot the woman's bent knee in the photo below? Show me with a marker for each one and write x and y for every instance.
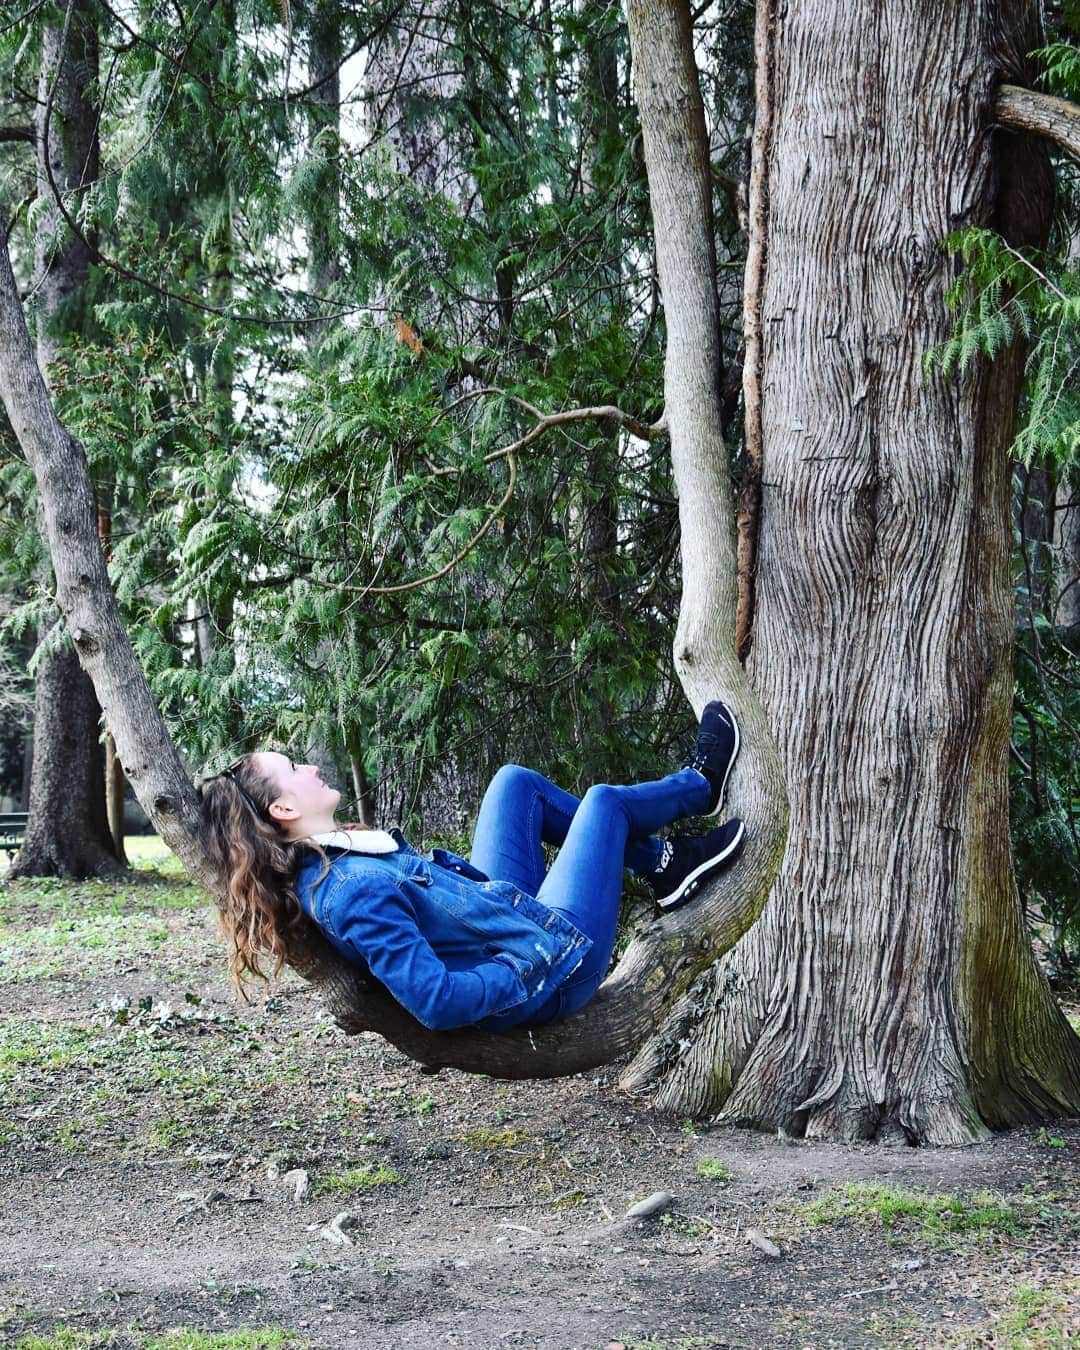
(604, 797)
(513, 781)
(512, 774)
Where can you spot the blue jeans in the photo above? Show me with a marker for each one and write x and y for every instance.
(599, 834)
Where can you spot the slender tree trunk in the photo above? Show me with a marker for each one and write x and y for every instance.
(598, 536)
(115, 782)
(890, 985)
(68, 831)
(324, 114)
(1067, 555)
(365, 812)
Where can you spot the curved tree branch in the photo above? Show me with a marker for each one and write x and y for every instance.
(1028, 110)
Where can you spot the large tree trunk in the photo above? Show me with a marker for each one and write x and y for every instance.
(890, 985)
(68, 832)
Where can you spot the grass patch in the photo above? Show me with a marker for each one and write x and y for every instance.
(1039, 1317)
(145, 891)
(164, 1135)
(917, 1214)
(157, 1076)
(52, 949)
(1031, 1319)
(686, 1225)
(355, 1179)
(712, 1169)
(43, 1047)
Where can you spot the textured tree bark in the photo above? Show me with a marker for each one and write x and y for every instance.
(411, 69)
(115, 782)
(65, 135)
(890, 986)
(324, 114)
(1066, 612)
(67, 833)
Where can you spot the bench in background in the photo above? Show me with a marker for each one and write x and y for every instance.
(12, 830)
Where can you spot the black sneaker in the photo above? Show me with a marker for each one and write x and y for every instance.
(688, 861)
(714, 751)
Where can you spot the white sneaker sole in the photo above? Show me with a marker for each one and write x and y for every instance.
(698, 875)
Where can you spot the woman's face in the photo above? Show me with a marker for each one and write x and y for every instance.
(303, 797)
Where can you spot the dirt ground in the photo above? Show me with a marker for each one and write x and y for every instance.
(151, 1132)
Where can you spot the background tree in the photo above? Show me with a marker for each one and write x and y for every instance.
(67, 833)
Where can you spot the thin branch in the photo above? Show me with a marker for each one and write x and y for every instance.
(496, 511)
(648, 431)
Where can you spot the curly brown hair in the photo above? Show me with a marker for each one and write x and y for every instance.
(261, 914)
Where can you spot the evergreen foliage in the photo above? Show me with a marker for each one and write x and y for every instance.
(277, 462)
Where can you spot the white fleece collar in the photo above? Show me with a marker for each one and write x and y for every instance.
(358, 841)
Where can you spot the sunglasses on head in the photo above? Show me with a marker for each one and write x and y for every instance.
(230, 774)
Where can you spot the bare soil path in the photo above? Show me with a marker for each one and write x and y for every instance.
(149, 1126)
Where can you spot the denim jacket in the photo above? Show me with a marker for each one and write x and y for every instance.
(454, 948)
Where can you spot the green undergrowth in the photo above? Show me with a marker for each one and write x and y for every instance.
(366, 1177)
(485, 1140)
(1036, 1317)
(712, 1169)
(179, 1338)
(153, 1076)
(916, 1215)
(51, 927)
(1029, 1318)
(145, 889)
(67, 944)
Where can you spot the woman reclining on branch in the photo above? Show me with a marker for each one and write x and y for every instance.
(496, 942)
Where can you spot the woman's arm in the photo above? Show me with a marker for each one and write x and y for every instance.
(376, 924)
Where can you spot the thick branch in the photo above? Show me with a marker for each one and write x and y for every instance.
(676, 155)
(1027, 110)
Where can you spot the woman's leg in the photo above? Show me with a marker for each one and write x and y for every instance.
(585, 881)
(521, 811)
